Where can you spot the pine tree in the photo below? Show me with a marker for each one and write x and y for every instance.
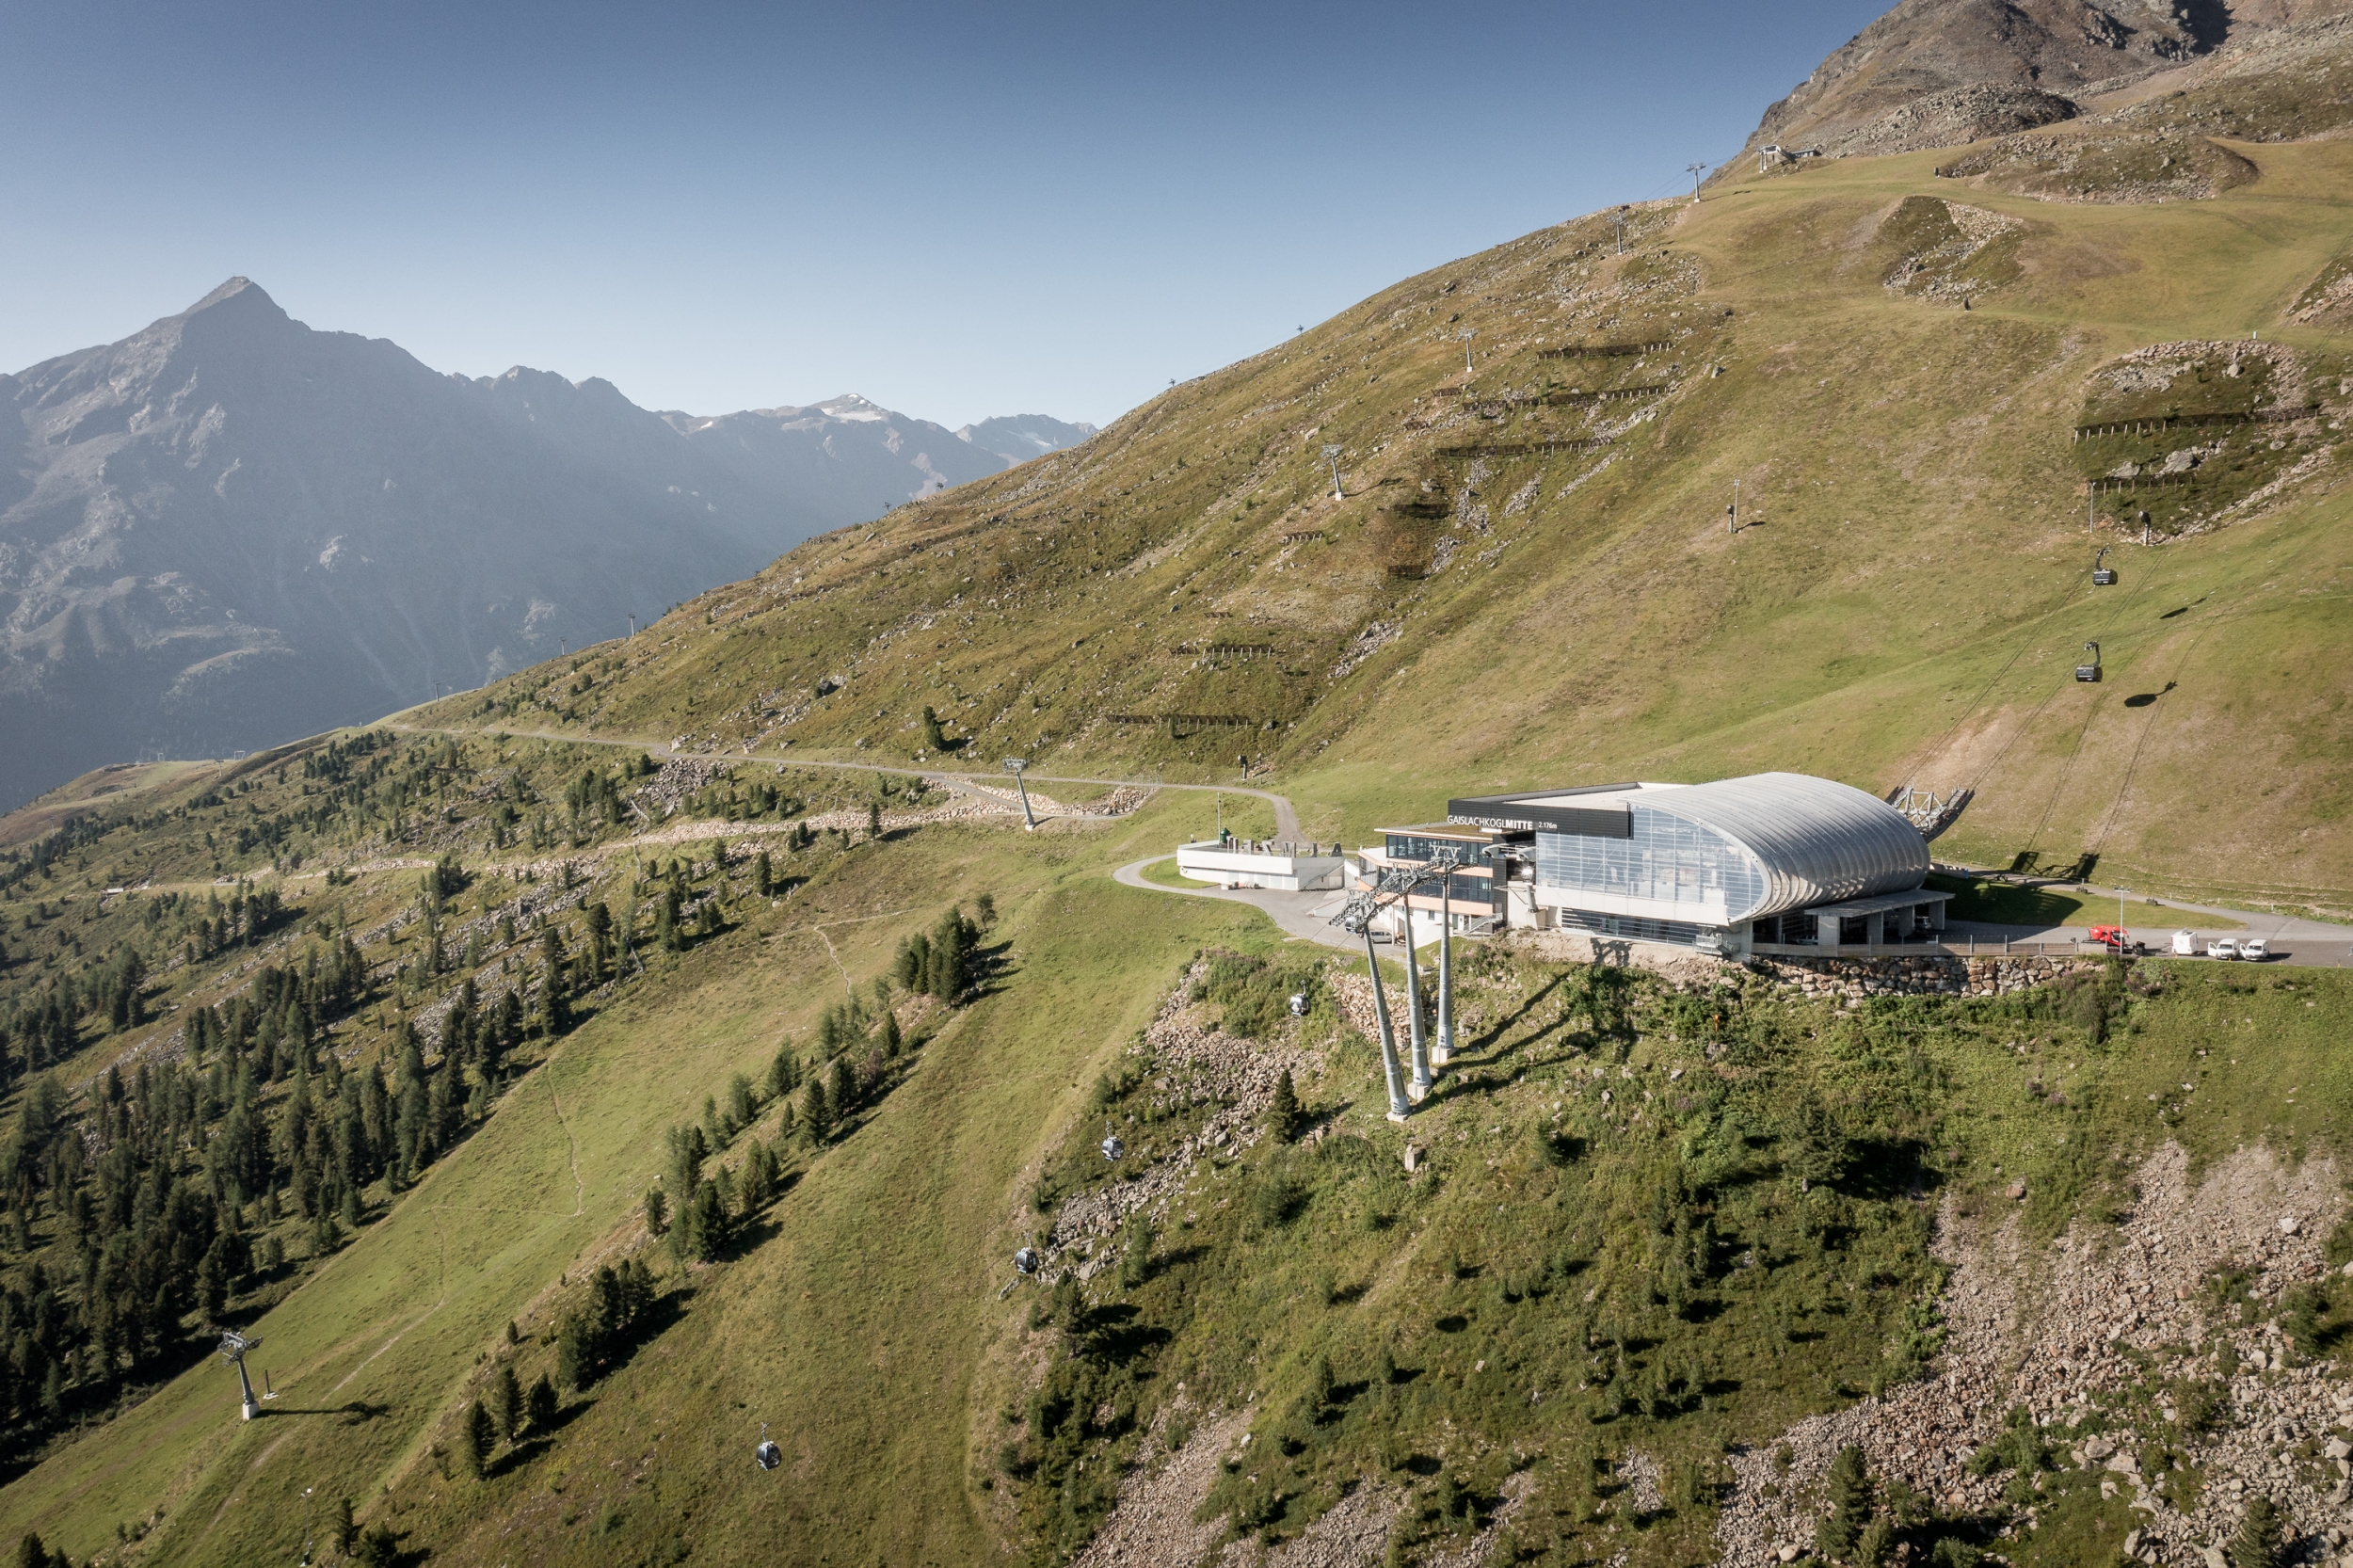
(506, 1401)
(475, 1439)
(345, 1530)
(874, 819)
(784, 1073)
(934, 738)
(555, 1008)
(657, 1211)
(840, 1091)
(913, 967)
(1320, 1385)
(2257, 1543)
(815, 1114)
(891, 1040)
(948, 975)
(1853, 1498)
(763, 875)
(539, 1405)
(711, 1220)
(1283, 1115)
(575, 1359)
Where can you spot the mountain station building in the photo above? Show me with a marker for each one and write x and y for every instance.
(1773, 862)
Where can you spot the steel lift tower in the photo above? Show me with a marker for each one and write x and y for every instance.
(1014, 766)
(1356, 918)
(232, 1348)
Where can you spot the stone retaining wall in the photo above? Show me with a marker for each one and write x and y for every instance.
(1921, 976)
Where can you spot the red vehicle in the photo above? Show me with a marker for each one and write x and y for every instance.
(2114, 939)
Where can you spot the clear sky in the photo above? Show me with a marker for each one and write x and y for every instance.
(956, 210)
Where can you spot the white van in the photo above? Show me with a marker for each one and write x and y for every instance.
(2222, 947)
(2185, 943)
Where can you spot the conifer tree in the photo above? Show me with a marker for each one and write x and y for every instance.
(784, 1073)
(344, 1529)
(541, 1405)
(874, 819)
(2257, 1543)
(815, 1114)
(891, 1040)
(475, 1439)
(599, 941)
(575, 1359)
(507, 1400)
(840, 1091)
(555, 1007)
(934, 738)
(1283, 1115)
(657, 1211)
(948, 975)
(1853, 1498)
(763, 875)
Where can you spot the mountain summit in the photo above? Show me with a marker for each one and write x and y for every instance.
(1941, 73)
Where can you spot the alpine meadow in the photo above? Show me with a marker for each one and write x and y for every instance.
(571, 1085)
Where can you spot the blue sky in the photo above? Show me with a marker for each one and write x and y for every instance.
(957, 211)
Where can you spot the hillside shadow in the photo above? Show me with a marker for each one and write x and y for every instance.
(1503, 1025)
(1887, 1168)
(356, 1413)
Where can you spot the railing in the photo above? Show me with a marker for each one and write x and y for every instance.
(1968, 948)
(1522, 449)
(2194, 421)
(1281, 847)
(1603, 350)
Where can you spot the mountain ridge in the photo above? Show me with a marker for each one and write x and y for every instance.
(228, 528)
(1933, 73)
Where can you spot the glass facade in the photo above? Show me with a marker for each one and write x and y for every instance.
(1665, 858)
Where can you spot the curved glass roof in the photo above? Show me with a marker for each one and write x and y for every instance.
(1817, 840)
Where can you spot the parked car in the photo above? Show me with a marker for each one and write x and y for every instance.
(2117, 939)
(2255, 949)
(2222, 948)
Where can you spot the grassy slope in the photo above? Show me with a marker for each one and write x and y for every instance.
(400, 1319)
(1911, 468)
(1909, 609)
(862, 1322)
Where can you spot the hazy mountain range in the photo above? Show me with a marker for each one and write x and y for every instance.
(228, 529)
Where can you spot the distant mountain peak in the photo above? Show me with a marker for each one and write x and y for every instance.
(1018, 437)
(244, 293)
(851, 406)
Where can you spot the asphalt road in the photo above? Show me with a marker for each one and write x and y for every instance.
(2292, 938)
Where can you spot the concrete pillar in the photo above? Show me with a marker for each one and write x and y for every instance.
(1399, 1109)
(1422, 1080)
(1875, 927)
(1442, 1048)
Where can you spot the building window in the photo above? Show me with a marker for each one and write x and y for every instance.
(1666, 859)
(1680, 933)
